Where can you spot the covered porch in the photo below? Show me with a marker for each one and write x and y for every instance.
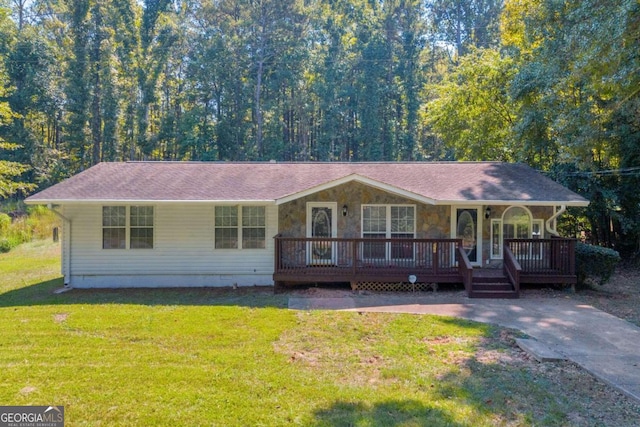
(403, 260)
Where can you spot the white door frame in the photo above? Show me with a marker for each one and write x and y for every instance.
(334, 228)
(479, 218)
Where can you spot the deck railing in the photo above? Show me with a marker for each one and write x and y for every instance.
(465, 268)
(430, 260)
(544, 257)
(512, 268)
(342, 259)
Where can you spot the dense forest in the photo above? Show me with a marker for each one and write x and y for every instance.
(552, 83)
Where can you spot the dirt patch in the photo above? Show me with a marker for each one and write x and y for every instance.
(620, 296)
(60, 317)
(28, 390)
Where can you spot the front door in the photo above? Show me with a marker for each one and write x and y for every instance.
(468, 228)
(321, 223)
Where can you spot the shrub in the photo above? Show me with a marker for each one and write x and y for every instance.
(36, 223)
(595, 263)
(5, 223)
(8, 243)
(41, 222)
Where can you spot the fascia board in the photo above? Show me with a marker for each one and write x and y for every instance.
(574, 203)
(143, 201)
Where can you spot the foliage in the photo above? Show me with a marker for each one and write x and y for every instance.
(471, 110)
(595, 262)
(37, 224)
(550, 83)
(569, 96)
(10, 172)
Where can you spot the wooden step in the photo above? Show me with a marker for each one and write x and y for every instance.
(495, 286)
(493, 289)
(494, 294)
(491, 279)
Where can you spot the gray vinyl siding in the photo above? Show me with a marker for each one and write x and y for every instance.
(183, 246)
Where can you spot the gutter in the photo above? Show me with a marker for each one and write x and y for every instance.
(550, 224)
(67, 234)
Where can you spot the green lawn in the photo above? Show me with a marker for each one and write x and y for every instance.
(204, 357)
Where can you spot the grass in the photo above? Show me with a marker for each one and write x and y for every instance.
(225, 358)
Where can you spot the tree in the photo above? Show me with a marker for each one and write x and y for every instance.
(578, 86)
(466, 24)
(10, 171)
(472, 111)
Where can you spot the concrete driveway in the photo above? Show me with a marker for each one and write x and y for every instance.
(604, 345)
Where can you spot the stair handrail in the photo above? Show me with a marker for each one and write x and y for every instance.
(465, 268)
(512, 268)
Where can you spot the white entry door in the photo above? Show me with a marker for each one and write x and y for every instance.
(467, 226)
(321, 223)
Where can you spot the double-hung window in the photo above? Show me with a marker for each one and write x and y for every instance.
(141, 227)
(114, 227)
(240, 227)
(127, 227)
(374, 226)
(388, 222)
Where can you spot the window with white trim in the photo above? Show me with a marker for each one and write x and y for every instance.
(496, 238)
(384, 222)
(516, 223)
(240, 227)
(537, 230)
(253, 227)
(127, 227)
(114, 227)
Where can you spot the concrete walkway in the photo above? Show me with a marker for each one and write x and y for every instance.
(604, 345)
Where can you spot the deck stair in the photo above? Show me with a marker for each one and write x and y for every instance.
(491, 284)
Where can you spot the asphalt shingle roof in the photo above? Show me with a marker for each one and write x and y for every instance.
(441, 182)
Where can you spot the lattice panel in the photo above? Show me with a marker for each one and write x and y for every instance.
(394, 287)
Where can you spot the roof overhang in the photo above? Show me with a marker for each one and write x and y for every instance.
(356, 178)
(523, 202)
(142, 201)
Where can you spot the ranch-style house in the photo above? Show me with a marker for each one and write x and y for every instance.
(488, 225)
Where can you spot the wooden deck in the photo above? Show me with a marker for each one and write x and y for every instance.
(317, 260)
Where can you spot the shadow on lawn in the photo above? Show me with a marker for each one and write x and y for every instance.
(384, 414)
(484, 391)
(43, 294)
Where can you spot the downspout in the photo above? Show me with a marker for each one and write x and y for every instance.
(550, 224)
(66, 267)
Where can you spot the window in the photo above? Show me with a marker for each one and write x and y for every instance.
(253, 227)
(234, 226)
(496, 238)
(137, 231)
(141, 220)
(114, 227)
(537, 230)
(226, 227)
(374, 226)
(516, 223)
(402, 227)
(388, 221)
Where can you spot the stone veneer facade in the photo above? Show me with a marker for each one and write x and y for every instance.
(432, 222)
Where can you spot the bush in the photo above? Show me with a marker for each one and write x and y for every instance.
(595, 263)
(37, 223)
(8, 243)
(41, 222)
(5, 223)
